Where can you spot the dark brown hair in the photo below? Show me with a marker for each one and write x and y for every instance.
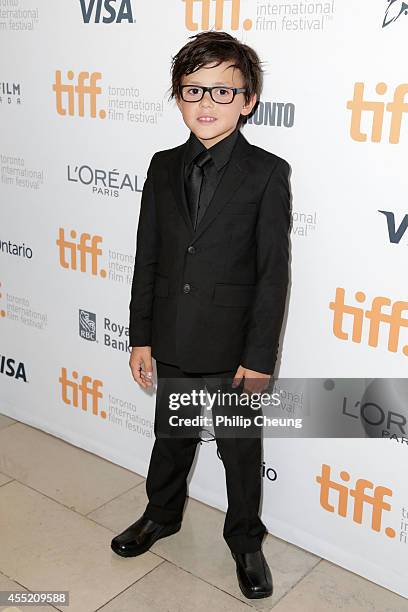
(215, 46)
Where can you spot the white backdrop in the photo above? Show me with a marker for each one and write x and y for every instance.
(70, 194)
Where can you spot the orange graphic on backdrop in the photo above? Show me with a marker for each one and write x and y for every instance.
(204, 9)
(72, 97)
(360, 107)
(392, 320)
(80, 392)
(353, 502)
(87, 248)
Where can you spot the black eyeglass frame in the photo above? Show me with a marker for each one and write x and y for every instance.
(235, 91)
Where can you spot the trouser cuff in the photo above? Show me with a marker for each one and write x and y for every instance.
(243, 544)
(161, 516)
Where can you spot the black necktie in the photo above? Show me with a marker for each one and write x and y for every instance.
(194, 183)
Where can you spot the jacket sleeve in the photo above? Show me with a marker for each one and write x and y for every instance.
(140, 307)
(272, 261)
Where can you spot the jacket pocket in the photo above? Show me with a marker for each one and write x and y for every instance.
(240, 208)
(233, 295)
(161, 286)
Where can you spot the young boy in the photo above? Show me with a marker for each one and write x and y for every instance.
(209, 288)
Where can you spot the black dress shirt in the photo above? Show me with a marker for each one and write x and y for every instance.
(213, 171)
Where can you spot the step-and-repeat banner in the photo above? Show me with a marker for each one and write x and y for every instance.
(83, 106)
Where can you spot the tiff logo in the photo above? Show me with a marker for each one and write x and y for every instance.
(78, 392)
(359, 498)
(394, 10)
(358, 105)
(204, 10)
(74, 94)
(112, 10)
(85, 246)
(395, 234)
(393, 320)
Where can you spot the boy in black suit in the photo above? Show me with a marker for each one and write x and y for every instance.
(209, 289)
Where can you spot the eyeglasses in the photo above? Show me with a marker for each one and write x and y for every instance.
(220, 95)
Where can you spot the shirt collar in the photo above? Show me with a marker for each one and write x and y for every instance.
(220, 152)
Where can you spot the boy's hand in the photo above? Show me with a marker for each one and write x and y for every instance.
(256, 383)
(141, 365)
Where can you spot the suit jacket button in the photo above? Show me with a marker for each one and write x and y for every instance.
(191, 249)
(186, 288)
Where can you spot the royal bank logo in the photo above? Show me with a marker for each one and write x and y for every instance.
(115, 334)
(395, 9)
(364, 499)
(107, 11)
(87, 325)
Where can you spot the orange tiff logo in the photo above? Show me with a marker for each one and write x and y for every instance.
(364, 495)
(80, 251)
(359, 107)
(74, 94)
(393, 319)
(79, 392)
(204, 9)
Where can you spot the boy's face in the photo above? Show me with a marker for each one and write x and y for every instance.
(225, 116)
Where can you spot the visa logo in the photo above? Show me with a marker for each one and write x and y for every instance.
(106, 11)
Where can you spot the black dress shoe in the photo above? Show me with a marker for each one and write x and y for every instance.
(140, 536)
(254, 575)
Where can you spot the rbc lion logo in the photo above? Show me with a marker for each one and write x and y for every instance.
(87, 325)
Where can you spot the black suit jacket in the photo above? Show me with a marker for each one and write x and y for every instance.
(212, 299)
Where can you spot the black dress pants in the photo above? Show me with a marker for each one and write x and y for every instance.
(173, 455)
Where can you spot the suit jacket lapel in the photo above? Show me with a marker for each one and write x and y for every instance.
(175, 171)
(230, 181)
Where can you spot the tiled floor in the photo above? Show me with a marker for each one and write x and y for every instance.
(60, 507)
